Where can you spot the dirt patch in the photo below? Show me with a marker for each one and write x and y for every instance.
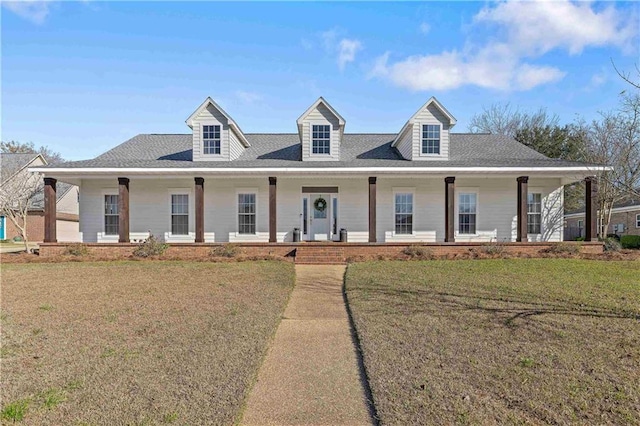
(522, 341)
(136, 342)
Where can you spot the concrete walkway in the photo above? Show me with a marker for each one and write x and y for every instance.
(311, 375)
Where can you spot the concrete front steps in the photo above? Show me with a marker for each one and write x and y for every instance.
(320, 255)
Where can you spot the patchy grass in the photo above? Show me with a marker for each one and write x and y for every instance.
(518, 341)
(136, 342)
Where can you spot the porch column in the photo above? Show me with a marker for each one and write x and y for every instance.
(591, 212)
(449, 209)
(199, 210)
(523, 196)
(50, 210)
(123, 210)
(372, 209)
(272, 210)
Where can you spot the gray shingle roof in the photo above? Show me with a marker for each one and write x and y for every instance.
(284, 150)
(10, 163)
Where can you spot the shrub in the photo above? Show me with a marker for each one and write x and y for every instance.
(564, 248)
(76, 250)
(493, 248)
(611, 244)
(630, 241)
(225, 250)
(150, 247)
(418, 252)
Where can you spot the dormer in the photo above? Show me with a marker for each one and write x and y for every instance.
(320, 129)
(216, 137)
(426, 135)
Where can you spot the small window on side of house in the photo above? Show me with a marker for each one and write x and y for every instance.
(534, 213)
(638, 221)
(431, 139)
(179, 214)
(403, 213)
(247, 214)
(467, 211)
(211, 139)
(111, 217)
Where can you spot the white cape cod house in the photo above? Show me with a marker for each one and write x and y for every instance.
(421, 184)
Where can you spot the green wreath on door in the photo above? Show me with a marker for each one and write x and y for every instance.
(320, 204)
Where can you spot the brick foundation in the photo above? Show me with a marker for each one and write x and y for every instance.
(352, 251)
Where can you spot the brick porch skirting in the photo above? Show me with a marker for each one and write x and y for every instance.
(362, 251)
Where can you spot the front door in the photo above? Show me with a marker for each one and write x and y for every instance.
(319, 217)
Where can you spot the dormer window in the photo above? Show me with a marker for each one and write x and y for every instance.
(321, 139)
(211, 139)
(431, 139)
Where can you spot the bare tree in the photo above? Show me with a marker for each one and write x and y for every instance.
(626, 76)
(15, 147)
(506, 120)
(614, 140)
(17, 194)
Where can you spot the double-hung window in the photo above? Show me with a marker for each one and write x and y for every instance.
(111, 215)
(179, 214)
(247, 213)
(321, 139)
(638, 221)
(431, 139)
(404, 213)
(534, 213)
(211, 139)
(467, 212)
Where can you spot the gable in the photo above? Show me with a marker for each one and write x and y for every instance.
(320, 113)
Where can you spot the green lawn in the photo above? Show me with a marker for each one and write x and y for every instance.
(135, 342)
(521, 341)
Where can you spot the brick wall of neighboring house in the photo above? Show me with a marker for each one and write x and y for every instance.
(628, 218)
(35, 225)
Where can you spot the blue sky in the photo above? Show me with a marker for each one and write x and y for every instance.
(82, 77)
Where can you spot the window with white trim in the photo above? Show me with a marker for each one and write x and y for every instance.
(403, 213)
(247, 213)
(638, 221)
(321, 139)
(534, 213)
(179, 214)
(467, 212)
(431, 139)
(111, 217)
(581, 224)
(211, 139)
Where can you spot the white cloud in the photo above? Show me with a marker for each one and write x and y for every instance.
(425, 28)
(344, 48)
(347, 51)
(31, 10)
(248, 97)
(525, 30)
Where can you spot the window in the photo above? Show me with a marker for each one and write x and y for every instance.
(211, 139)
(179, 214)
(581, 224)
(305, 215)
(638, 221)
(334, 213)
(111, 215)
(467, 208)
(404, 213)
(431, 139)
(246, 213)
(321, 139)
(534, 213)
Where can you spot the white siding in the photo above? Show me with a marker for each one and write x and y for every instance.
(235, 146)
(321, 115)
(405, 145)
(496, 220)
(210, 116)
(430, 115)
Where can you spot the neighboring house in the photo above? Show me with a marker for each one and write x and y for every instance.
(421, 184)
(16, 166)
(625, 220)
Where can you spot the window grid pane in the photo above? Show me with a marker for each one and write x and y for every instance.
(404, 213)
(430, 139)
(211, 139)
(111, 218)
(179, 214)
(467, 213)
(246, 213)
(321, 139)
(534, 213)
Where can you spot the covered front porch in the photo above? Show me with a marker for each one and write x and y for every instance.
(385, 208)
